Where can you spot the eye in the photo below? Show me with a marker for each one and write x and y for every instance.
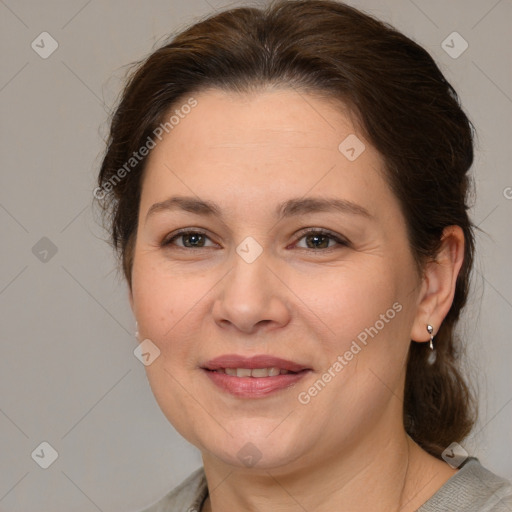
(313, 238)
(320, 239)
(190, 239)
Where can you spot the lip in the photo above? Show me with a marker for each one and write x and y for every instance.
(253, 387)
(259, 361)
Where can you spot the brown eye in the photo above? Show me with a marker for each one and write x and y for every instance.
(193, 240)
(320, 239)
(317, 241)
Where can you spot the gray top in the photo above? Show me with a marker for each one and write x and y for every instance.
(472, 489)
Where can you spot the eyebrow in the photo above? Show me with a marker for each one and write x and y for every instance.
(290, 208)
(301, 206)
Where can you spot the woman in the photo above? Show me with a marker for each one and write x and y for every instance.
(287, 189)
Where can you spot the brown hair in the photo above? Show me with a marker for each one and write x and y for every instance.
(405, 107)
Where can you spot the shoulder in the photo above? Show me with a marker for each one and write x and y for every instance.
(187, 497)
(472, 489)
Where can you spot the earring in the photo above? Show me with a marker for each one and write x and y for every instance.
(136, 330)
(430, 330)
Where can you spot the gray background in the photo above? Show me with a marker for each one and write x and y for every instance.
(68, 375)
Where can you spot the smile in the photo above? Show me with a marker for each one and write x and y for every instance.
(253, 377)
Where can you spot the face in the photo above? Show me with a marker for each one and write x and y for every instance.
(273, 272)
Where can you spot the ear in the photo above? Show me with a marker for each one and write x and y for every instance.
(438, 285)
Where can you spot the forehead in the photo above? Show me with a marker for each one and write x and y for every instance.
(264, 146)
(229, 120)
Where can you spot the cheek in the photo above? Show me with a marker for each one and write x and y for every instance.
(364, 351)
(152, 300)
(169, 305)
(348, 300)
(366, 319)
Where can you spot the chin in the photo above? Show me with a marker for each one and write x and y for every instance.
(251, 445)
(253, 457)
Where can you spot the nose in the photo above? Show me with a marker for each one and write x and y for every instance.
(251, 298)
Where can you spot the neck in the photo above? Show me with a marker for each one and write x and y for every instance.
(399, 476)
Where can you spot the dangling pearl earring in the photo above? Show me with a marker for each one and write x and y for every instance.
(137, 330)
(430, 330)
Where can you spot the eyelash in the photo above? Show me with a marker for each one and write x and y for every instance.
(318, 232)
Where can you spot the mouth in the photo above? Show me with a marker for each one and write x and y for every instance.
(257, 373)
(253, 377)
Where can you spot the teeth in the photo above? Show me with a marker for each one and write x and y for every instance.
(254, 372)
(258, 372)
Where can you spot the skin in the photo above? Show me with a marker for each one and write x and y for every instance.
(346, 449)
